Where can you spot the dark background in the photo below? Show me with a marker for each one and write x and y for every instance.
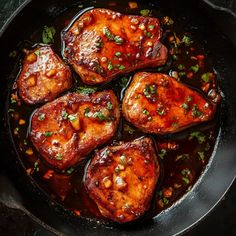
(221, 221)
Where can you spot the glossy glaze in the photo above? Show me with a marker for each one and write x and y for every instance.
(103, 44)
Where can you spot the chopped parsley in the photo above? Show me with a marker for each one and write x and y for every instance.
(41, 117)
(110, 66)
(10, 110)
(187, 40)
(162, 153)
(185, 106)
(146, 112)
(189, 99)
(201, 156)
(201, 138)
(185, 173)
(37, 53)
(182, 157)
(195, 111)
(123, 82)
(48, 34)
(175, 124)
(118, 54)
(86, 112)
(99, 43)
(48, 134)
(109, 106)
(149, 35)
(100, 116)
(86, 90)
(151, 27)
(186, 180)
(145, 12)
(117, 170)
(108, 33)
(59, 157)
(182, 74)
(72, 117)
(181, 67)
(121, 67)
(36, 166)
(195, 68)
(64, 115)
(118, 40)
(149, 90)
(70, 171)
(206, 77)
(128, 129)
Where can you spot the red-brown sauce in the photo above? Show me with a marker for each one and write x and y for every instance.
(183, 156)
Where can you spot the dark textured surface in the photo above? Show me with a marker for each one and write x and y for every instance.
(221, 221)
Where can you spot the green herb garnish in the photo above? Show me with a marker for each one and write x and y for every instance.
(149, 90)
(128, 129)
(145, 12)
(151, 27)
(108, 33)
(86, 90)
(41, 117)
(48, 34)
(64, 115)
(70, 171)
(123, 82)
(162, 153)
(182, 157)
(121, 67)
(118, 40)
(195, 68)
(110, 66)
(146, 112)
(48, 134)
(59, 157)
(201, 156)
(206, 77)
(199, 136)
(37, 53)
(187, 40)
(72, 117)
(86, 112)
(195, 111)
(109, 106)
(118, 54)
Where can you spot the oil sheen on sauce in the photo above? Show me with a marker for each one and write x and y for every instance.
(183, 156)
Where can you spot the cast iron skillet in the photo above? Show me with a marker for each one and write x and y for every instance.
(216, 31)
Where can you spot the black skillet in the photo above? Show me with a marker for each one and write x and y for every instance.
(216, 30)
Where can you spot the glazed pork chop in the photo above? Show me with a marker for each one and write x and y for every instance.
(121, 179)
(103, 44)
(70, 127)
(43, 76)
(157, 103)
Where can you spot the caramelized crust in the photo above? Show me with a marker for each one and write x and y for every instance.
(121, 179)
(43, 76)
(157, 103)
(70, 127)
(103, 44)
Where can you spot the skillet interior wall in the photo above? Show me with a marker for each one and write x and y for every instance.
(221, 55)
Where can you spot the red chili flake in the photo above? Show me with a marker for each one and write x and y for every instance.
(192, 49)
(205, 87)
(190, 75)
(168, 192)
(200, 57)
(77, 212)
(48, 174)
